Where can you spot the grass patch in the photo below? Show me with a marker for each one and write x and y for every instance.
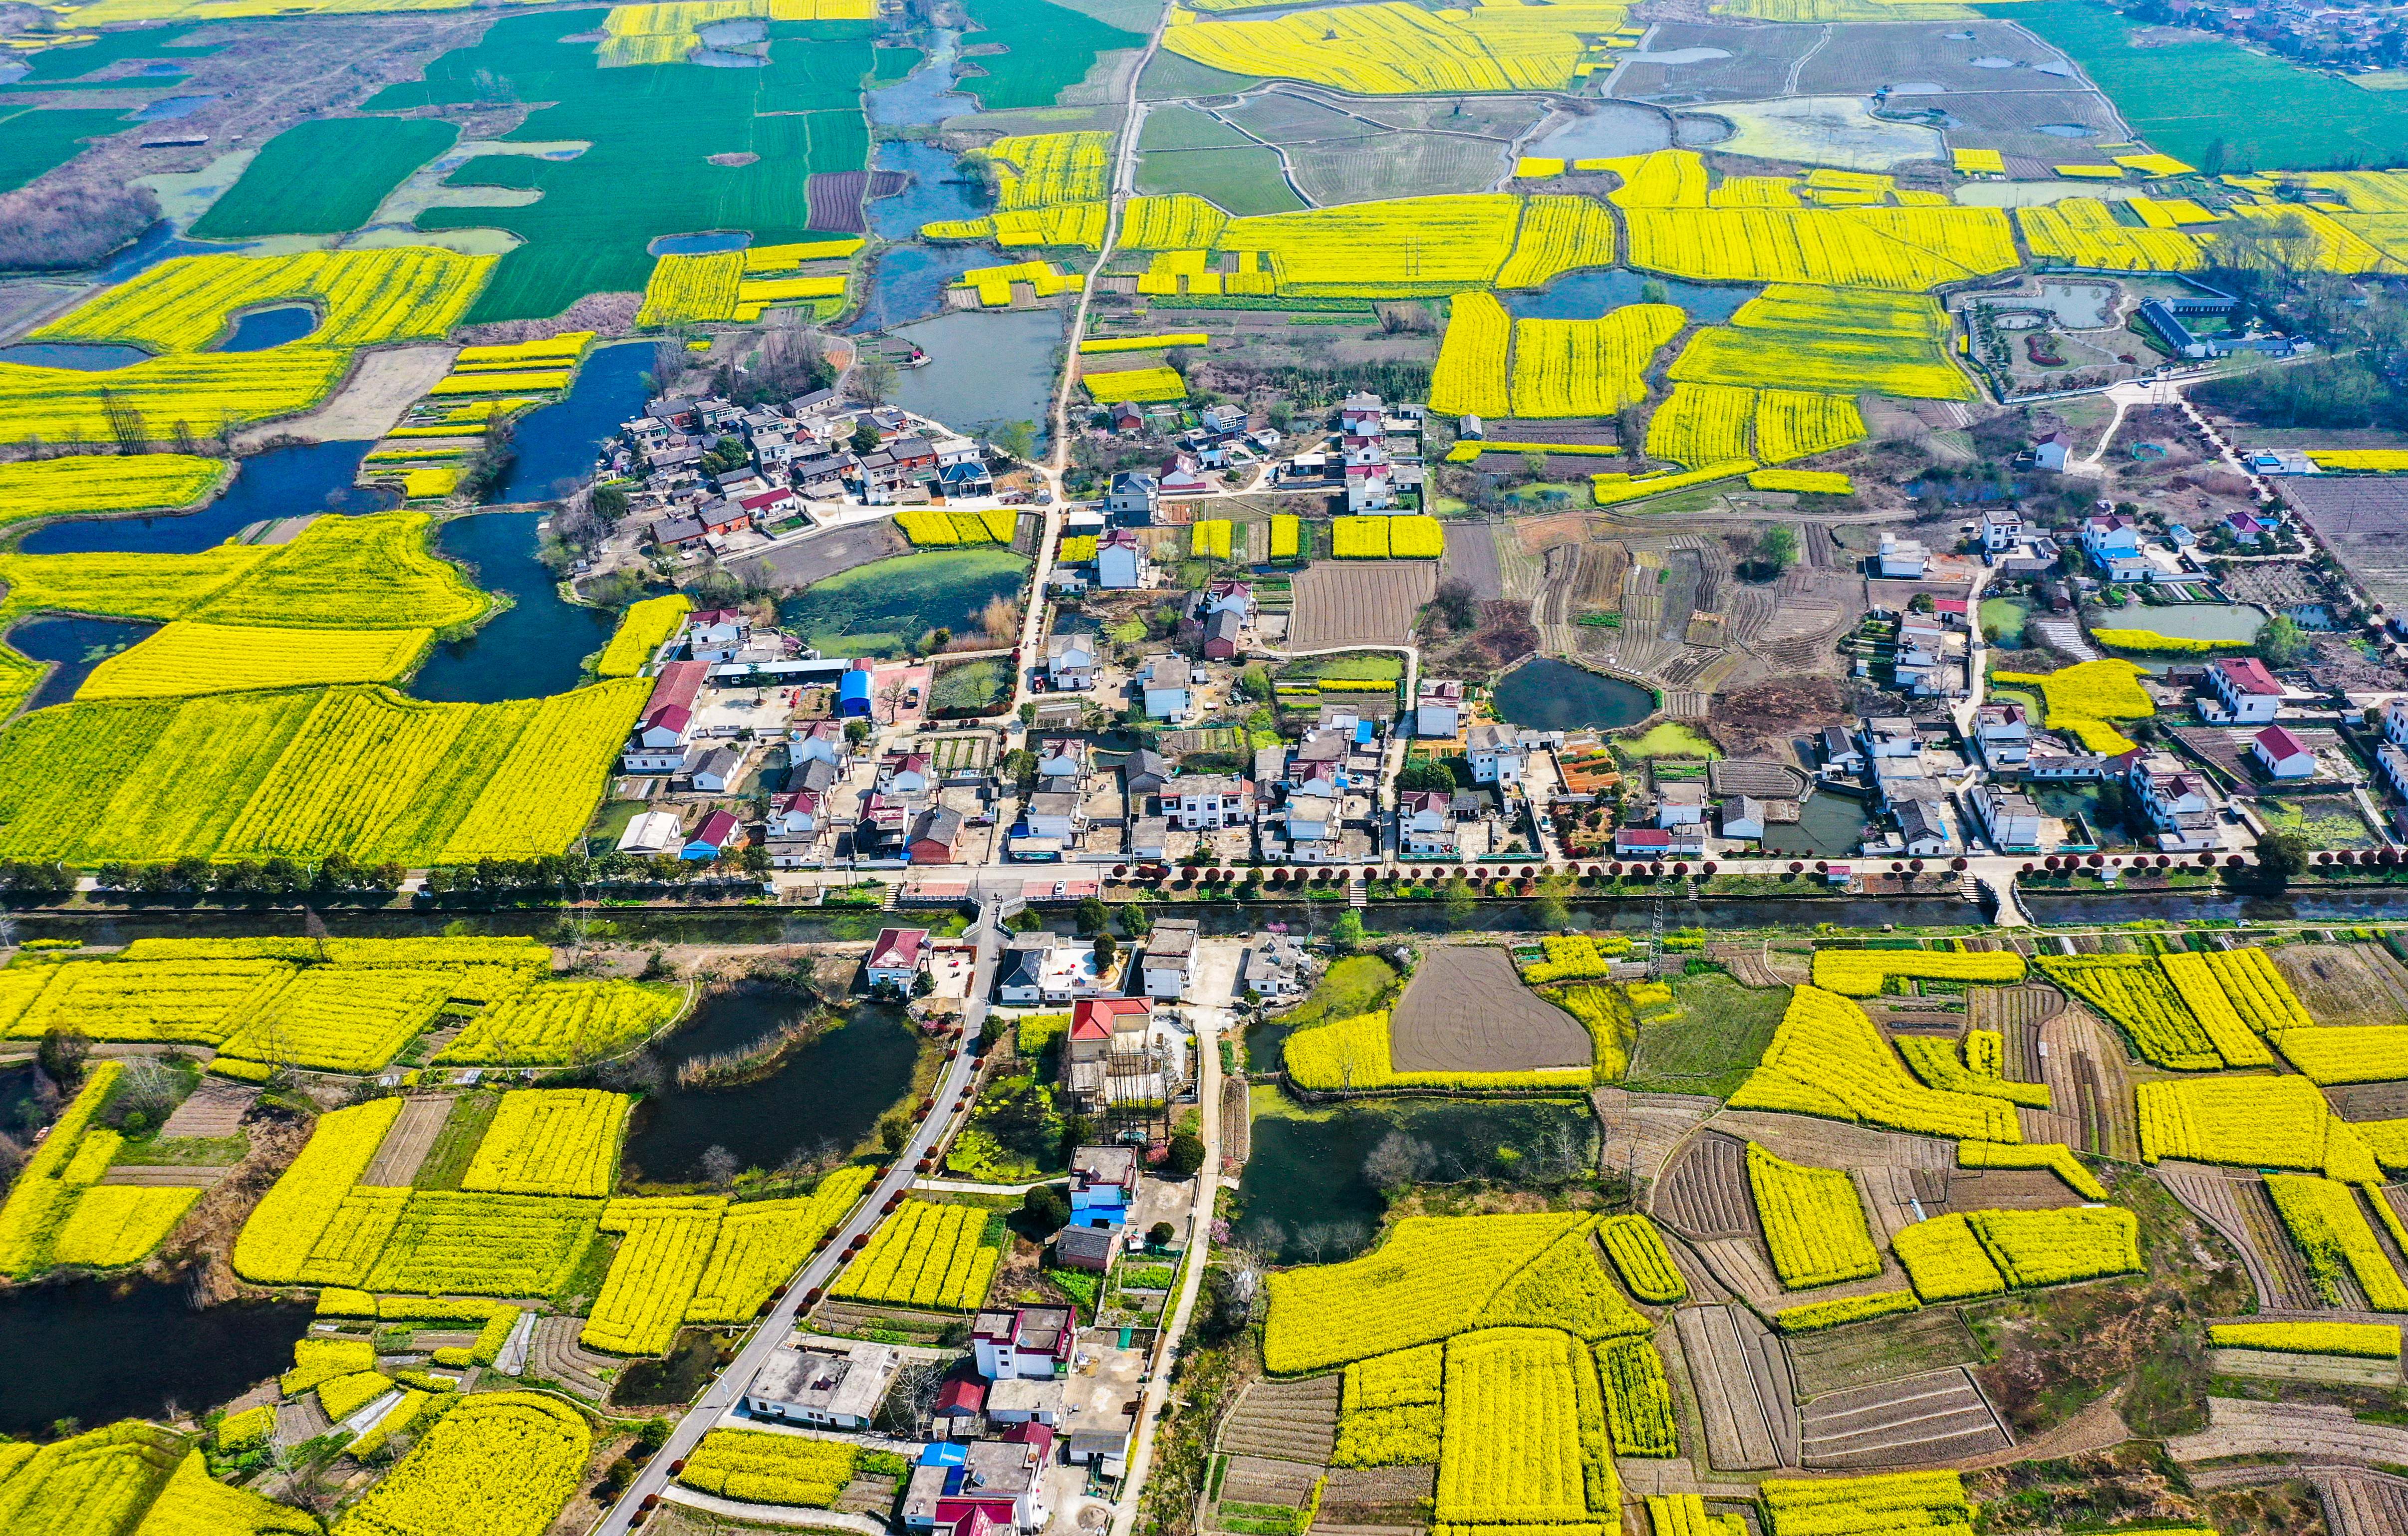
(1242, 180)
(1670, 738)
(325, 177)
(879, 609)
(1714, 1045)
(1353, 985)
(455, 1144)
(1048, 49)
(1352, 665)
(973, 686)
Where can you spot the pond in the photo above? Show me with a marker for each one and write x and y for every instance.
(908, 282)
(263, 328)
(284, 481)
(76, 645)
(96, 1352)
(2003, 620)
(89, 357)
(2235, 622)
(556, 444)
(537, 646)
(830, 1093)
(2079, 305)
(984, 369)
(1608, 129)
(1829, 826)
(700, 245)
(1552, 696)
(1304, 1176)
(879, 609)
(167, 109)
(1586, 295)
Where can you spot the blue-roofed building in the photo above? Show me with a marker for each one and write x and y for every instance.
(853, 693)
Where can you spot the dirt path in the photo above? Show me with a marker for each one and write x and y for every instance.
(381, 386)
(407, 1143)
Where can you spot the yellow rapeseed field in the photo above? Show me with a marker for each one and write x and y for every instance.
(1828, 340)
(185, 657)
(363, 297)
(1588, 367)
(2080, 232)
(1392, 47)
(1470, 376)
(1425, 244)
(1907, 249)
(203, 392)
(1038, 170)
(1557, 235)
(89, 483)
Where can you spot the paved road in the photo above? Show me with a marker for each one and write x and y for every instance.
(774, 1330)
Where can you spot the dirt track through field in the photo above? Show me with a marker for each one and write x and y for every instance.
(1466, 1012)
(407, 1143)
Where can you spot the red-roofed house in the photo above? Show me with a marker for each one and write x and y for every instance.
(900, 954)
(1951, 611)
(779, 502)
(660, 740)
(1094, 1022)
(960, 1413)
(974, 1518)
(1641, 842)
(2283, 755)
(2249, 692)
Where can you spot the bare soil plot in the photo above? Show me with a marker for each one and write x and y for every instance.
(2346, 984)
(381, 386)
(556, 1355)
(2308, 1430)
(2005, 1189)
(1466, 1012)
(2369, 1100)
(2358, 1502)
(1885, 1349)
(1754, 64)
(216, 1108)
(1471, 559)
(1742, 1394)
(1379, 1485)
(1863, 58)
(1287, 1422)
(1938, 1416)
(2017, 1012)
(1289, 116)
(2089, 1088)
(1705, 1195)
(165, 1176)
(2362, 520)
(823, 555)
(1746, 963)
(1492, 117)
(1639, 1131)
(2010, 121)
(1358, 602)
(1255, 1480)
(407, 1144)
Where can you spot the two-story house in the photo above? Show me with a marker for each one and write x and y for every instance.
(1169, 958)
(1167, 681)
(665, 729)
(1119, 561)
(826, 1387)
(1206, 802)
(1070, 661)
(2002, 732)
(2010, 818)
(1497, 754)
(2248, 692)
(1426, 825)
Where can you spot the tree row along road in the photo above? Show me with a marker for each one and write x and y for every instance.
(773, 1330)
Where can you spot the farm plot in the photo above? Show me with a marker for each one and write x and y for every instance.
(2346, 984)
(2009, 122)
(1706, 1193)
(1465, 1011)
(1749, 63)
(1742, 1387)
(2238, 1211)
(1941, 1416)
(1284, 1421)
(1343, 603)
(1840, 1360)
(1403, 165)
(1640, 1131)
(1862, 59)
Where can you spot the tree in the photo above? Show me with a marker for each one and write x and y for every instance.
(1455, 601)
(1045, 1210)
(874, 379)
(1777, 547)
(2282, 857)
(1458, 903)
(1014, 439)
(1092, 917)
(1425, 773)
(1347, 932)
(62, 1054)
(2281, 642)
(1159, 1234)
(1398, 1163)
(718, 1168)
(1135, 921)
(864, 437)
(1185, 1156)
(1552, 914)
(1108, 950)
(894, 1132)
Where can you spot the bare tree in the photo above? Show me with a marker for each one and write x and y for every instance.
(720, 1166)
(913, 1397)
(1398, 1163)
(1313, 1241)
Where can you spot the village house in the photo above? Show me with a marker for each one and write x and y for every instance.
(796, 827)
(1144, 773)
(1206, 802)
(1901, 559)
(662, 732)
(1497, 754)
(897, 958)
(1437, 709)
(2009, 818)
(1426, 825)
(2282, 754)
(1129, 499)
(826, 1387)
(1070, 661)
(1120, 562)
(1169, 958)
(714, 771)
(710, 838)
(2002, 733)
(2175, 800)
(652, 833)
(2248, 692)
(937, 836)
(1167, 681)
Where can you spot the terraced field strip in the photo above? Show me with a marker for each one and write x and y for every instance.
(1746, 964)
(143, 1177)
(2311, 1430)
(2217, 1199)
(1737, 1414)
(2361, 1503)
(1260, 1480)
(2017, 1013)
(2279, 1365)
(407, 1144)
(1638, 1132)
(556, 1355)
(2082, 1061)
(1936, 1417)
(1284, 1421)
(2346, 984)
(1706, 1195)
(1884, 1350)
